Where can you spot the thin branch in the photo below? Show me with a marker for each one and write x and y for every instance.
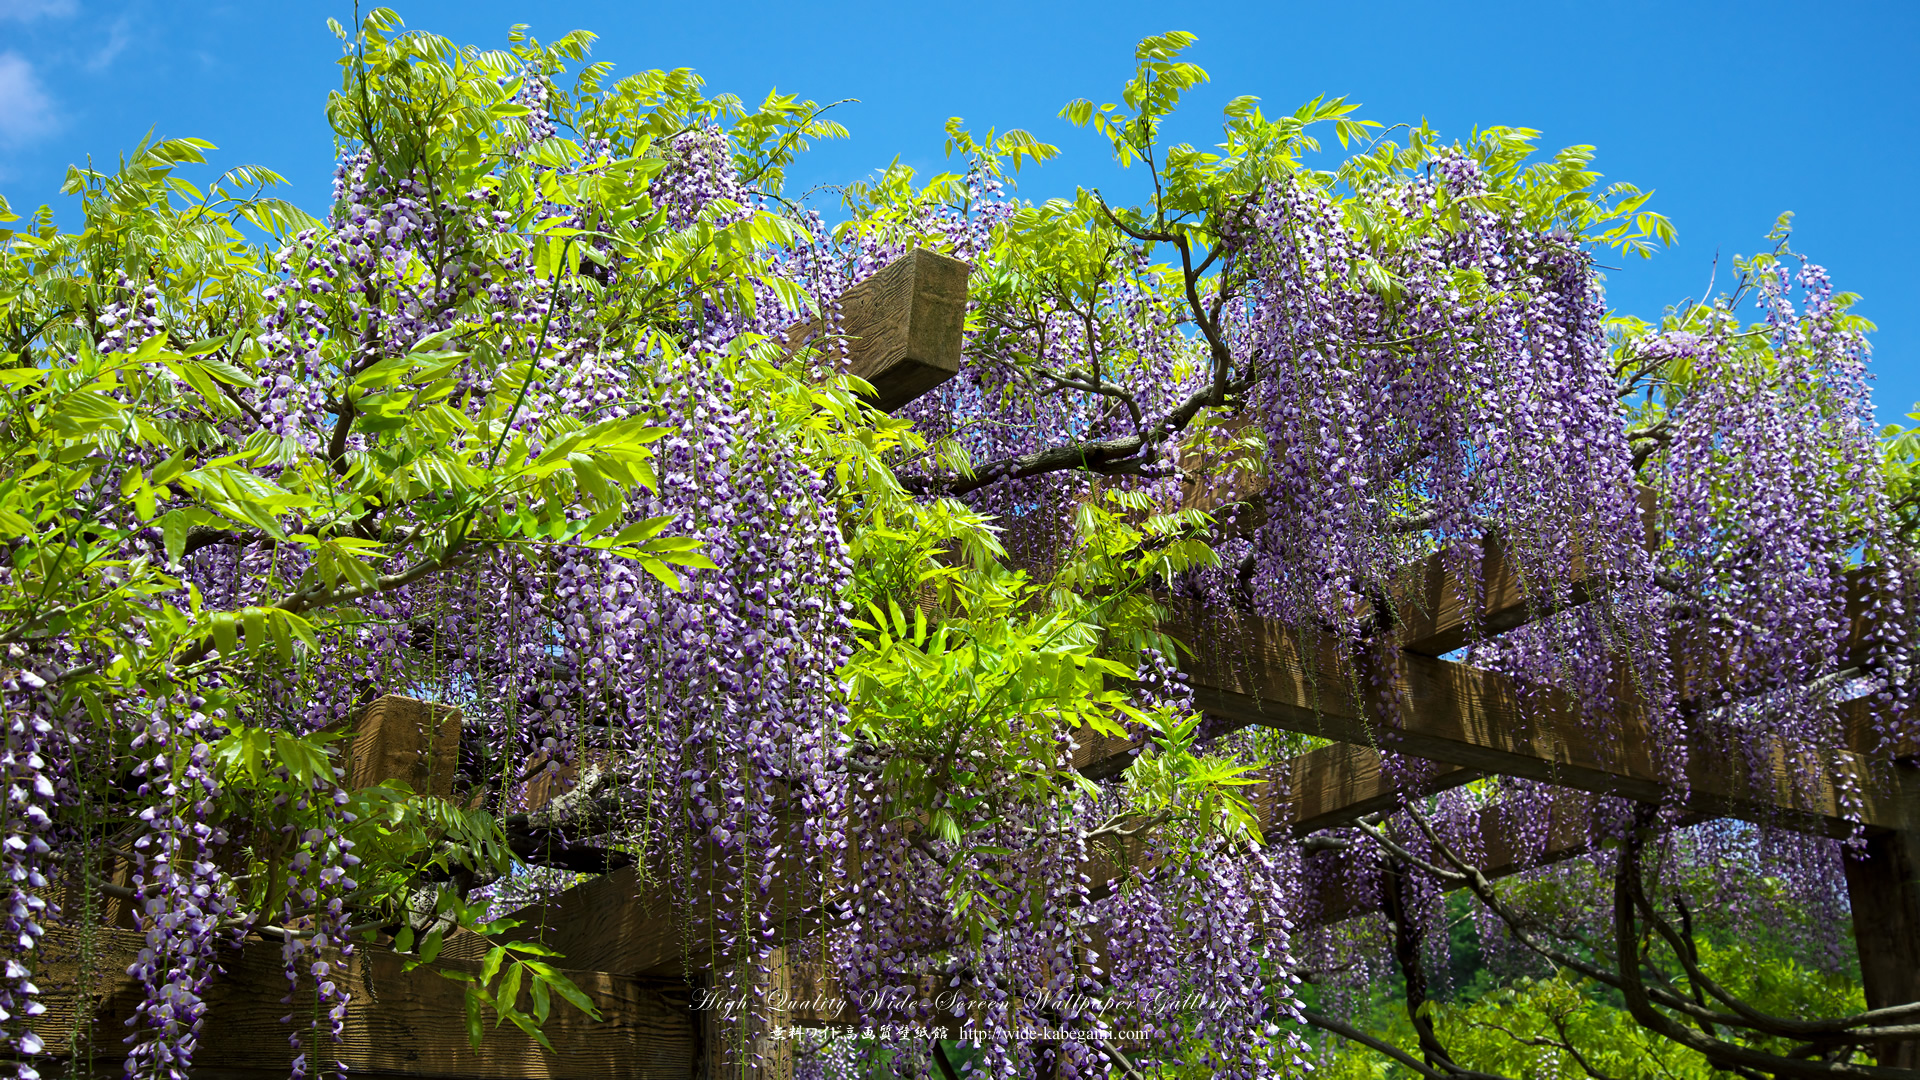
(1353, 1034)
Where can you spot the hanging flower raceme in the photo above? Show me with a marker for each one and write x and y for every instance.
(1451, 387)
(24, 852)
(179, 896)
(1769, 482)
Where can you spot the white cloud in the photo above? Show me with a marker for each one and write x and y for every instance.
(118, 37)
(26, 112)
(28, 10)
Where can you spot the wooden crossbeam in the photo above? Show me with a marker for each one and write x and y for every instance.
(1248, 670)
(1315, 790)
(622, 922)
(1333, 785)
(399, 1023)
(1439, 613)
(1557, 830)
(618, 924)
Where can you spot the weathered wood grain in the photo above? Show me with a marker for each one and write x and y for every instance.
(904, 326)
(1438, 613)
(398, 1023)
(403, 738)
(1247, 670)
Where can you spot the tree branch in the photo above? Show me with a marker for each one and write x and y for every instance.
(1104, 456)
(1641, 998)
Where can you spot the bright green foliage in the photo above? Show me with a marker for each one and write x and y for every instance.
(1524, 1027)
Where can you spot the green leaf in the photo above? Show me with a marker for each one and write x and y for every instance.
(242, 750)
(590, 479)
(475, 1032)
(170, 469)
(490, 966)
(532, 1029)
(226, 634)
(509, 993)
(644, 530)
(566, 989)
(661, 571)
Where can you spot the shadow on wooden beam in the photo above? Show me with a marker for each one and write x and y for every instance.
(398, 1023)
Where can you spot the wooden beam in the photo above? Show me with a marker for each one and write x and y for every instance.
(904, 326)
(399, 1023)
(1248, 670)
(1323, 789)
(1102, 757)
(1333, 785)
(1564, 834)
(620, 923)
(614, 923)
(1439, 613)
(403, 738)
(610, 923)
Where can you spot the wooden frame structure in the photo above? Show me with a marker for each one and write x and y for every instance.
(1464, 722)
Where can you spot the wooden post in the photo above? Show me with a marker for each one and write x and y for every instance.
(1883, 888)
(403, 738)
(745, 1023)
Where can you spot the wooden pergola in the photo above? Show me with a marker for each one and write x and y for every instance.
(625, 948)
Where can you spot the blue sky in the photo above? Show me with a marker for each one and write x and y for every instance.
(1735, 112)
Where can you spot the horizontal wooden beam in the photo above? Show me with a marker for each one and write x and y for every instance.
(1439, 613)
(626, 923)
(1334, 785)
(1246, 670)
(1500, 839)
(399, 1023)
